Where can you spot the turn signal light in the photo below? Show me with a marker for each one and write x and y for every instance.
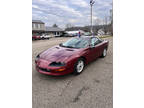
(62, 69)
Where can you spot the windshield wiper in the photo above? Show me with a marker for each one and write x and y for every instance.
(65, 46)
(69, 47)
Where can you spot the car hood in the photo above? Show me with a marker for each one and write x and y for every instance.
(58, 54)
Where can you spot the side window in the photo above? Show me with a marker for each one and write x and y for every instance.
(94, 41)
(98, 41)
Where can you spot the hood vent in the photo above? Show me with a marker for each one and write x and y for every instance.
(57, 47)
(69, 50)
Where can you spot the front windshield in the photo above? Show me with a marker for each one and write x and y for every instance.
(76, 43)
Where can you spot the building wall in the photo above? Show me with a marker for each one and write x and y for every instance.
(38, 26)
(55, 33)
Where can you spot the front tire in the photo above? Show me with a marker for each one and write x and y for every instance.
(79, 66)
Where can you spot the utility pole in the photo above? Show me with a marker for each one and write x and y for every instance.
(91, 4)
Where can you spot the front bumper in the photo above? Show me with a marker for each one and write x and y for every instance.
(43, 67)
(53, 72)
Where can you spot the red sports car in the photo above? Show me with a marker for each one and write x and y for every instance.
(71, 56)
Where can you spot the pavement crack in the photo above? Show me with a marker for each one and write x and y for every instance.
(67, 84)
(77, 97)
(97, 81)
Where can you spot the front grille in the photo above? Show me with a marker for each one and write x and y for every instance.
(44, 69)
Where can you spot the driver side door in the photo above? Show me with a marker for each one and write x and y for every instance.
(95, 47)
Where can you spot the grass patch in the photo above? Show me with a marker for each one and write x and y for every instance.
(105, 36)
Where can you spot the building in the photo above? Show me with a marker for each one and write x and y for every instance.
(38, 27)
(55, 31)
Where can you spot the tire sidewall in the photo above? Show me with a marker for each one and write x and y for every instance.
(75, 67)
(103, 52)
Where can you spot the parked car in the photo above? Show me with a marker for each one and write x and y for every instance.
(36, 37)
(71, 56)
(45, 36)
(67, 35)
(87, 33)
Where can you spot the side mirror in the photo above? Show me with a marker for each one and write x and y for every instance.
(60, 44)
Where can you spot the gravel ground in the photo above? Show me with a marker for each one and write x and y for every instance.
(91, 89)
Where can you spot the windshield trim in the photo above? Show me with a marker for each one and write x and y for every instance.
(61, 45)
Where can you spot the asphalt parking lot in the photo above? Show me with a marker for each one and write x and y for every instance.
(91, 89)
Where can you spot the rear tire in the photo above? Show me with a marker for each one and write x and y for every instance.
(104, 53)
(79, 66)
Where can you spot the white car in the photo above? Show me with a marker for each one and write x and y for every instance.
(45, 36)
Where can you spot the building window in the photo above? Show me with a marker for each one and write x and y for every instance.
(55, 33)
(58, 33)
(34, 26)
(39, 26)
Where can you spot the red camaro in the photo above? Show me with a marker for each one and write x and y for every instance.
(71, 56)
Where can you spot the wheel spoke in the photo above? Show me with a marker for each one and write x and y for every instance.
(80, 66)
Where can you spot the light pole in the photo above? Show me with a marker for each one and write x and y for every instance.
(91, 4)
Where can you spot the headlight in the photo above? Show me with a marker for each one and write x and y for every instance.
(37, 57)
(57, 64)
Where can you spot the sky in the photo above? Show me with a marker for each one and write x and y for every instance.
(75, 12)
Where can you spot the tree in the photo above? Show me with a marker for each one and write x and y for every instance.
(69, 25)
(105, 24)
(97, 21)
(111, 21)
(55, 25)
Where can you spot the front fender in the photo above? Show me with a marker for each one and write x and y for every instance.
(72, 60)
